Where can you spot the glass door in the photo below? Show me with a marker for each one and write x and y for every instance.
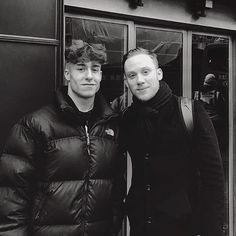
(210, 80)
(168, 45)
(190, 62)
(113, 36)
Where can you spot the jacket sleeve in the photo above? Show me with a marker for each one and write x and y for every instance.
(119, 192)
(17, 176)
(118, 104)
(210, 169)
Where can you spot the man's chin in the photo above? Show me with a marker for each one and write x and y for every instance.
(142, 98)
(145, 96)
(87, 95)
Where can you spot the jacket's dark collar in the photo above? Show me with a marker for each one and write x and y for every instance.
(65, 104)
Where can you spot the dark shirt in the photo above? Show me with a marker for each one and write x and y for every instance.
(88, 117)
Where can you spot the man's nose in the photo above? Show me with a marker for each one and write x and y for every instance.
(89, 74)
(140, 79)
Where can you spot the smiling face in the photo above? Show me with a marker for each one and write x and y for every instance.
(142, 76)
(84, 78)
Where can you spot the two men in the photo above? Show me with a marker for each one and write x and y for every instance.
(61, 172)
(177, 182)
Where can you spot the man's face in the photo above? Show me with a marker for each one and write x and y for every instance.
(142, 76)
(84, 78)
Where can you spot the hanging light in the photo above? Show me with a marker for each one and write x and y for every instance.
(199, 7)
(135, 3)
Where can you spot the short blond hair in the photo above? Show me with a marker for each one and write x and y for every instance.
(137, 51)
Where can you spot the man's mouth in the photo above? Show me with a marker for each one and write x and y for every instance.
(88, 84)
(141, 89)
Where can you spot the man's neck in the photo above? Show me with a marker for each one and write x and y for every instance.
(83, 104)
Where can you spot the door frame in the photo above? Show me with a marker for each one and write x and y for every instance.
(186, 88)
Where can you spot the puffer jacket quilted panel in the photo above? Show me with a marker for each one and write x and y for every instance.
(56, 178)
(70, 155)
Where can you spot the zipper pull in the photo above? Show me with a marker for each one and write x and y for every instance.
(87, 138)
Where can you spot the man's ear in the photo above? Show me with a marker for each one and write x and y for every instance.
(159, 73)
(125, 81)
(67, 74)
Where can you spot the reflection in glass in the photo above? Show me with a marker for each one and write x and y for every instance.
(113, 37)
(210, 73)
(168, 47)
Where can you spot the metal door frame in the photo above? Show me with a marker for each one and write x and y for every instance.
(186, 88)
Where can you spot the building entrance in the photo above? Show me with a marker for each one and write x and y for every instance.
(192, 64)
(210, 80)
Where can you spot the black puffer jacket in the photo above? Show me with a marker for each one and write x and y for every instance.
(59, 177)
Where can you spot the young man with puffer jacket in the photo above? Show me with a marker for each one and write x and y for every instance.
(61, 172)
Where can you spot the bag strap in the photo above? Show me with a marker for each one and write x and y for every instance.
(186, 108)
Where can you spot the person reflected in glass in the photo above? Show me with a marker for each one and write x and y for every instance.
(177, 184)
(209, 96)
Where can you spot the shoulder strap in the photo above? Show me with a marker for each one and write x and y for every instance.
(186, 108)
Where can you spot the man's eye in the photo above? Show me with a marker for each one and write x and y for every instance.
(131, 76)
(81, 69)
(146, 72)
(95, 70)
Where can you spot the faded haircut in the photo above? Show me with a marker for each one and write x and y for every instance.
(80, 51)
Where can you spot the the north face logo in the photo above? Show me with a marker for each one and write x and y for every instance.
(110, 132)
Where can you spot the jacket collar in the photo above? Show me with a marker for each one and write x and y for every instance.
(103, 110)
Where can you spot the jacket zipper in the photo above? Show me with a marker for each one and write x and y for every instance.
(87, 177)
(87, 139)
(89, 153)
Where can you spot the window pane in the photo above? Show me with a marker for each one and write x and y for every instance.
(168, 47)
(28, 18)
(113, 36)
(210, 73)
(27, 81)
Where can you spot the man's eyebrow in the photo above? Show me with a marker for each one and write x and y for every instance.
(96, 64)
(80, 64)
(131, 72)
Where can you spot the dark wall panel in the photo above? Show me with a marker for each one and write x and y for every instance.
(28, 18)
(30, 67)
(26, 80)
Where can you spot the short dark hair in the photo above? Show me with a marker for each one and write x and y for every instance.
(137, 51)
(80, 51)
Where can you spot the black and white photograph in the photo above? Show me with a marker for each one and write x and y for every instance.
(117, 118)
